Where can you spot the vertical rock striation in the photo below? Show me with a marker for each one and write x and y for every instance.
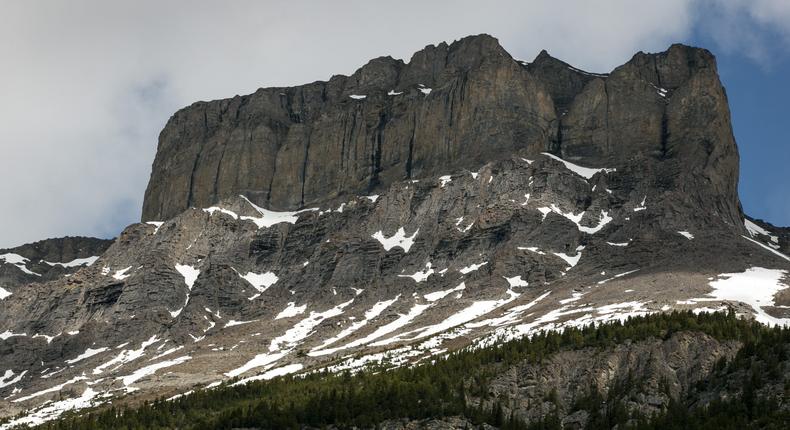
(452, 107)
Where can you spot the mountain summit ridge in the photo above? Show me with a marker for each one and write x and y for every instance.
(451, 107)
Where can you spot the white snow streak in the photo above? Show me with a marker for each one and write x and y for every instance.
(18, 261)
(421, 275)
(603, 219)
(76, 262)
(438, 295)
(585, 172)
(686, 234)
(121, 274)
(372, 313)
(150, 370)
(471, 268)
(767, 248)
(291, 311)
(90, 352)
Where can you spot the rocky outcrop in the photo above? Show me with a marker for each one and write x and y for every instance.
(644, 375)
(453, 107)
(428, 266)
(47, 260)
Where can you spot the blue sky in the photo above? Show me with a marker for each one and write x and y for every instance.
(88, 84)
(759, 95)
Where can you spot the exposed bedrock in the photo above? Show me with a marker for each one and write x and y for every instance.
(454, 107)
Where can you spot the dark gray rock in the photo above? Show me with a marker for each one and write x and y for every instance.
(664, 114)
(285, 148)
(39, 254)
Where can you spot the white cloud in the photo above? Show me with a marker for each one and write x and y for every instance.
(87, 85)
(753, 28)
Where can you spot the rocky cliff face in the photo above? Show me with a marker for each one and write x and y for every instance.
(47, 260)
(510, 198)
(452, 107)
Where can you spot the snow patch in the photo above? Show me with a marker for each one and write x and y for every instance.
(399, 239)
(421, 275)
(121, 274)
(641, 206)
(767, 248)
(53, 410)
(471, 268)
(90, 352)
(190, 275)
(54, 389)
(156, 224)
(370, 314)
(19, 261)
(686, 234)
(76, 262)
(756, 287)
(149, 370)
(510, 316)
(573, 298)
(463, 229)
(233, 323)
(270, 374)
(617, 276)
(401, 321)
(585, 172)
(269, 218)
(284, 344)
(8, 378)
(45, 337)
(291, 311)
(260, 281)
(304, 328)
(438, 295)
(516, 281)
(603, 219)
(213, 209)
(472, 312)
(755, 229)
(571, 260)
(126, 356)
(7, 334)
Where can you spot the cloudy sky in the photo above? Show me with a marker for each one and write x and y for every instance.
(86, 86)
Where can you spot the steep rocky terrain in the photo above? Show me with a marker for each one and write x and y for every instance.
(453, 107)
(47, 260)
(466, 199)
(677, 370)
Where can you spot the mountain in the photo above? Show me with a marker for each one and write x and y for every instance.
(410, 210)
(47, 260)
(452, 107)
